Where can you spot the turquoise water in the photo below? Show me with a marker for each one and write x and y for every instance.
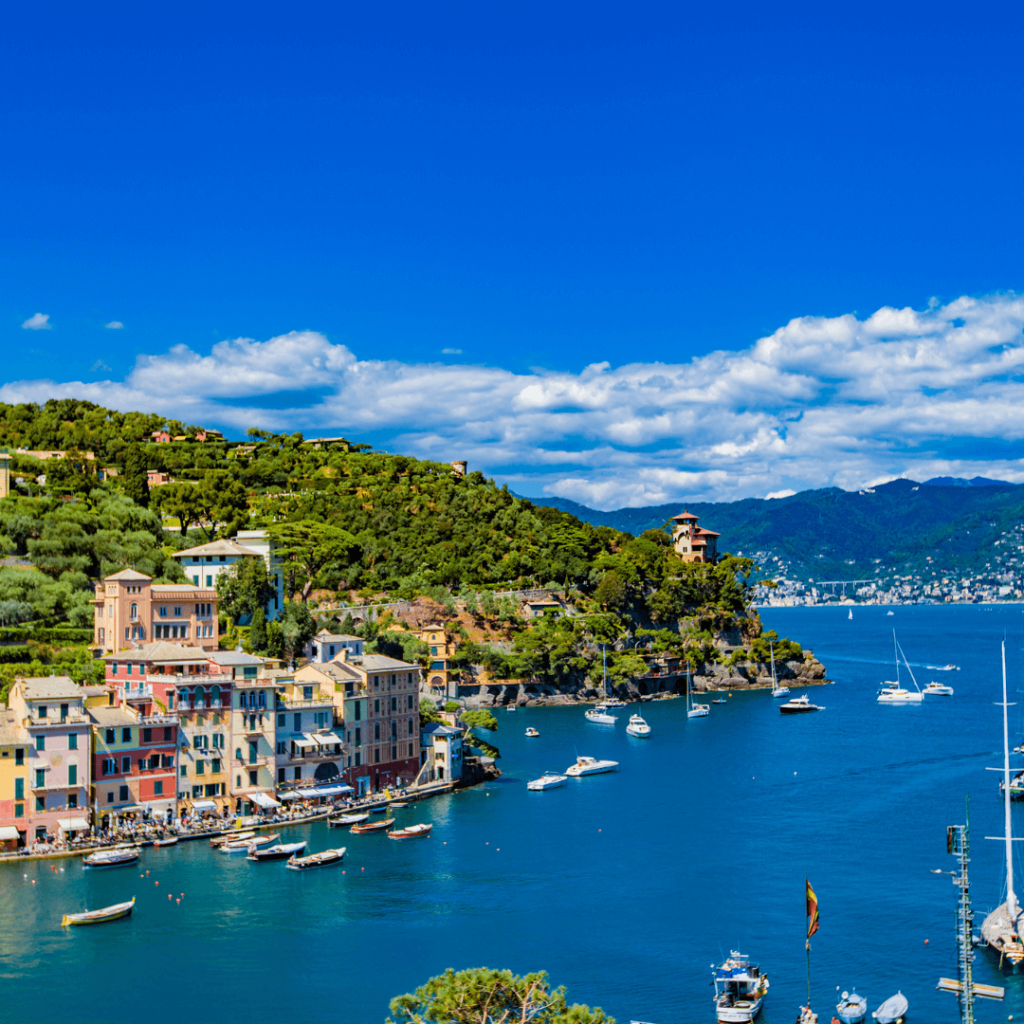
(624, 887)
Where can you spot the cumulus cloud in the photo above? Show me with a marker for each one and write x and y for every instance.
(114, 325)
(451, 351)
(38, 322)
(822, 401)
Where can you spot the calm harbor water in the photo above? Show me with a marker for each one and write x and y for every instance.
(624, 887)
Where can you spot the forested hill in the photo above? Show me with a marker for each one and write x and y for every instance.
(836, 534)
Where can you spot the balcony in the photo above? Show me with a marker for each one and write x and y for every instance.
(304, 703)
(56, 721)
(261, 761)
(158, 719)
(141, 691)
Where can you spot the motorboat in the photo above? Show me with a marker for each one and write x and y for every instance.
(599, 714)
(549, 780)
(118, 857)
(740, 989)
(317, 860)
(719, 700)
(614, 702)
(938, 689)
(245, 845)
(590, 766)
(510, 707)
(1016, 786)
(281, 851)
(851, 1008)
(398, 803)
(111, 913)
(777, 689)
(372, 826)
(347, 820)
(894, 1009)
(949, 668)
(169, 841)
(531, 732)
(412, 832)
(638, 727)
(890, 613)
(799, 706)
(230, 837)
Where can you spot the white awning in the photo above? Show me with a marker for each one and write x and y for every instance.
(289, 796)
(328, 740)
(72, 824)
(309, 794)
(334, 790)
(8, 832)
(203, 805)
(264, 800)
(305, 741)
(40, 763)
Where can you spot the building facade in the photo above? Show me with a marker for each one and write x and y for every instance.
(253, 772)
(690, 542)
(327, 646)
(14, 793)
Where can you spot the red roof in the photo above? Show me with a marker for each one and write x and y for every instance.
(701, 532)
(686, 515)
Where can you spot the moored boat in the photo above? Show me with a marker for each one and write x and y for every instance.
(938, 689)
(412, 832)
(230, 837)
(118, 857)
(168, 841)
(281, 851)
(549, 780)
(347, 820)
(851, 1008)
(317, 860)
(532, 732)
(740, 989)
(111, 913)
(614, 702)
(799, 706)
(892, 1010)
(599, 714)
(638, 727)
(590, 766)
(372, 826)
(778, 690)
(245, 845)
(894, 693)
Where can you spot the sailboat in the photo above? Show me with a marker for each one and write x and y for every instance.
(893, 693)
(850, 616)
(694, 710)
(1001, 929)
(777, 691)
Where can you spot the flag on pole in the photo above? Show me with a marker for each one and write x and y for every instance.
(812, 910)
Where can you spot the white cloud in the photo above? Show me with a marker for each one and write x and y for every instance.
(788, 493)
(820, 402)
(38, 322)
(114, 325)
(451, 351)
(99, 367)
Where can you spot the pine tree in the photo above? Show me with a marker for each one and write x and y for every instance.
(258, 632)
(136, 481)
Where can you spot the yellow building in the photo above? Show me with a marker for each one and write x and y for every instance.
(253, 743)
(441, 677)
(5, 474)
(14, 754)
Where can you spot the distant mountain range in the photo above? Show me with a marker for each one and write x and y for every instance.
(837, 534)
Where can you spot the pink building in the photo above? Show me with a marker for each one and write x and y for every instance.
(51, 714)
(131, 610)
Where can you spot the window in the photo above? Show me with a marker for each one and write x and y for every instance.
(282, 747)
(158, 787)
(184, 771)
(200, 767)
(72, 774)
(154, 761)
(110, 797)
(109, 766)
(126, 765)
(359, 711)
(280, 721)
(42, 710)
(113, 669)
(215, 765)
(209, 581)
(394, 729)
(19, 789)
(40, 743)
(376, 705)
(307, 693)
(72, 800)
(147, 735)
(135, 611)
(102, 635)
(359, 758)
(177, 611)
(126, 734)
(63, 712)
(40, 803)
(394, 753)
(252, 776)
(19, 755)
(409, 733)
(122, 793)
(359, 736)
(109, 735)
(19, 810)
(409, 702)
(376, 755)
(73, 741)
(376, 730)
(167, 760)
(298, 724)
(394, 703)
(127, 632)
(167, 733)
(280, 776)
(163, 611)
(142, 762)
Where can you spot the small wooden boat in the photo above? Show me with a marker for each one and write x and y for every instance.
(532, 732)
(282, 851)
(372, 826)
(851, 1008)
(244, 845)
(317, 860)
(116, 858)
(412, 832)
(399, 804)
(169, 841)
(346, 820)
(230, 837)
(379, 810)
(111, 913)
(892, 1010)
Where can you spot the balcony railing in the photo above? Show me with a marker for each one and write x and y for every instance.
(158, 719)
(55, 721)
(141, 691)
(299, 703)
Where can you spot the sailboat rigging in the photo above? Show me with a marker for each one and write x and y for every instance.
(893, 693)
(777, 691)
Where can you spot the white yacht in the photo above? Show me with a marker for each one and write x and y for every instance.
(549, 780)
(590, 766)
(894, 693)
(599, 714)
(799, 706)
(614, 702)
(777, 690)
(638, 727)
(740, 989)
(938, 689)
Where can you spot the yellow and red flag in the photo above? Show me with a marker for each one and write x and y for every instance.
(812, 910)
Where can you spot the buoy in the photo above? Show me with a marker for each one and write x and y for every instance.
(147, 872)
(177, 901)
(362, 869)
(26, 876)
(170, 895)
(142, 876)
(33, 881)
(182, 895)
(926, 942)
(156, 883)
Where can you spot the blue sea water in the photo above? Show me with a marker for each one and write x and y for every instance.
(624, 887)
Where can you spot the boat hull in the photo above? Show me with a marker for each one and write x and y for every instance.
(892, 1010)
(116, 862)
(374, 826)
(112, 913)
(413, 832)
(317, 860)
(547, 782)
(741, 1012)
(853, 1010)
(640, 734)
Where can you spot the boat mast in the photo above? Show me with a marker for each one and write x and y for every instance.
(775, 682)
(896, 656)
(1011, 898)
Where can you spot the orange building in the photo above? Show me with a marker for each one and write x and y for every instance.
(692, 543)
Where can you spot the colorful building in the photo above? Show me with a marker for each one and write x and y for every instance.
(51, 712)
(14, 794)
(692, 543)
(327, 646)
(442, 679)
(441, 752)
(309, 753)
(253, 743)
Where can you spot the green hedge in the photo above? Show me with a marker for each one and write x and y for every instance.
(47, 634)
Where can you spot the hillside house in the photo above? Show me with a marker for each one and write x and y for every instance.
(692, 543)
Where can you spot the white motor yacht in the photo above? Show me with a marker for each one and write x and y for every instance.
(549, 780)
(939, 689)
(799, 706)
(638, 727)
(740, 989)
(599, 714)
(590, 766)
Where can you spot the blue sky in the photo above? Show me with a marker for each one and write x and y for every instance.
(450, 211)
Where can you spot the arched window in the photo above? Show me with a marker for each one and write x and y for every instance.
(214, 696)
(135, 611)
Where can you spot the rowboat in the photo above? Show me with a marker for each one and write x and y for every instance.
(317, 860)
(851, 1008)
(346, 819)
(244, 845)
(396, 803)
(231, 838)
(892, 1010)
(412, 832)
(372, 826)
(282, 851)
(118, 857)
(169, 841)
(111, 913)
